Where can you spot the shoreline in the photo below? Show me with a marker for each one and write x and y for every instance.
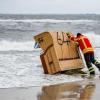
(71, 90)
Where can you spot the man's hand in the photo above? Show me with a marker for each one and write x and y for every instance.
(76, 44)
(68, 34)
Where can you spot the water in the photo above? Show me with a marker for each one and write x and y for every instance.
(82, 90)
(20, 65)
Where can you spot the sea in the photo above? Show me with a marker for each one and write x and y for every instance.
(20, 64)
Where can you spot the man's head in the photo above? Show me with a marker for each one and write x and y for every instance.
(79, 34)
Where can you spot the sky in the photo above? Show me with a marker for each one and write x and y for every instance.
(49, 6)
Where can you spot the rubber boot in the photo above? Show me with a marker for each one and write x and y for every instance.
(92, 71)
(97, 64)
(90, 68)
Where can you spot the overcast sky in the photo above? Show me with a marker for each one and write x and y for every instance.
(49, 6)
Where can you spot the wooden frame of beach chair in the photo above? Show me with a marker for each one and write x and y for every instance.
(59, 54)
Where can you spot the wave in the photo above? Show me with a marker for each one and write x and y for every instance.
(44, 20)
(29, 45)
(37, 24)
(94, 38)
(16, 46)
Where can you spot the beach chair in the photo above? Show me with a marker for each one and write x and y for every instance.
(59, 53)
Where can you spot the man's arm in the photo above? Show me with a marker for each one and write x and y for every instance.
(73, 38)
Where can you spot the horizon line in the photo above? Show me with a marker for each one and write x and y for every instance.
(50, 13)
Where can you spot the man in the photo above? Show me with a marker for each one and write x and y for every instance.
(87, 50)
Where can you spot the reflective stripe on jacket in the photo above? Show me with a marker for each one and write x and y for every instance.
(84, 43)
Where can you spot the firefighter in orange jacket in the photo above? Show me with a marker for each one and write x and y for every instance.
(87, 50)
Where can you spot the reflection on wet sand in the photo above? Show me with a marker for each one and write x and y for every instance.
(83, 90)
(69, 91)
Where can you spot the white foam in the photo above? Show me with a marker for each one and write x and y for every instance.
(29, 45)
(45, 20)
(18, 46)
(94, 38)
(23, 70)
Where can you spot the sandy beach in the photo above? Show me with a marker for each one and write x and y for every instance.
(81, 90)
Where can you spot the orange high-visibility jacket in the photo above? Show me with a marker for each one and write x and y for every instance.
(84, 43)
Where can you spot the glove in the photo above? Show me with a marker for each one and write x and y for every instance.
(76, 44)
(68, 34)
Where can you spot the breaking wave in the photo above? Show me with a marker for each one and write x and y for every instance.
(16, 46)
(29, 45)
(94, 38)
(32, 24)
(44, 20)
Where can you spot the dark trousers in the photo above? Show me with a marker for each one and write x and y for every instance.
(90, 59)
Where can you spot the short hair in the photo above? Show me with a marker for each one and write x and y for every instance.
(78, 34)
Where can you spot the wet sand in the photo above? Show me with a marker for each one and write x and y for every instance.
(82, 90)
